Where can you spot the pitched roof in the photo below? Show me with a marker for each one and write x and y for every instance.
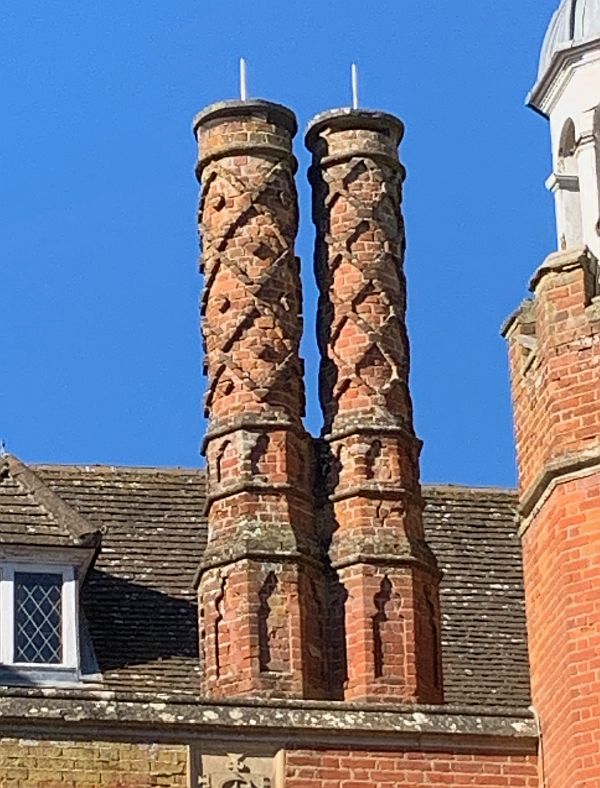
(32, 514)
(141, 605)
(139, 600)
(484, 637)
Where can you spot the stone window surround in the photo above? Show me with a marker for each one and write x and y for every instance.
(69, 614)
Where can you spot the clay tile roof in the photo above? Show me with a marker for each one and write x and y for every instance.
(139, 600)
(32, 514)
(141, 606)
(484, 637)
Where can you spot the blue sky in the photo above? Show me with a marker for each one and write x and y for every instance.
(100, 350)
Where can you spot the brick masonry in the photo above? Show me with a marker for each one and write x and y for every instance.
(27, 763)
(317, 580)
(356, 769)
(554, 345)
(387, 594)
(562, 564)
(261, 588)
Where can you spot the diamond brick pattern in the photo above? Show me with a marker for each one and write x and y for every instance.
(390, 624)
(258, 597)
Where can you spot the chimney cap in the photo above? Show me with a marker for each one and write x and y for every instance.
(348, 118)
(235, 108)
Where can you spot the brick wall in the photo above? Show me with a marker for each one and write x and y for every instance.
(562, 565)
(345, 769)
(554, 343)
(554, 348)
(62, 764)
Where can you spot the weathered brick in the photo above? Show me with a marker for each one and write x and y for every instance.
(391, 770)
(386, 617)
(261, 587)
(64, 764)
(554, 348)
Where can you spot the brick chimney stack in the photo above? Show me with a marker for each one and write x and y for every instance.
(554, 351)
(260, 583)
(388, 577)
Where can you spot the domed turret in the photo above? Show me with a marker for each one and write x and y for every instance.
(575, 22)
(567, 92)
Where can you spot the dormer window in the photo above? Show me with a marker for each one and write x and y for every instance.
(38, 616)
(44, 559)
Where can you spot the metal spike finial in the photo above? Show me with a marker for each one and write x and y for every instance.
(243, 79)
(354, 86)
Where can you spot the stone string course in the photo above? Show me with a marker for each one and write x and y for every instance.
(53, 742)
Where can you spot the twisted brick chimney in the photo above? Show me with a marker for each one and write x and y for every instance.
(389, 627)
(260, 583)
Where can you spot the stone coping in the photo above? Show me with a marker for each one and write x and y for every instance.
(46, 712)
(560, 469)
(541, 96)
(558, 262)
(277, 113)
(348, 118)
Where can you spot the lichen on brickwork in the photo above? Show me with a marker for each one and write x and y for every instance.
(388, 579)
(259, 458)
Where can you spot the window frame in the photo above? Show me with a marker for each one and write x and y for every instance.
(69, 615)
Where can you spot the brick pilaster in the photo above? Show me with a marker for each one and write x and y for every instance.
(388, 578)
(260, 584)
(554, 349)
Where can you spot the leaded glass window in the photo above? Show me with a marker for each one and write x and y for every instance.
(38, 617)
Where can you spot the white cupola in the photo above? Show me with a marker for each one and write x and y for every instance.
(568, 94)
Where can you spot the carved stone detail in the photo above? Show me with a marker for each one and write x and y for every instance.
(235, 770)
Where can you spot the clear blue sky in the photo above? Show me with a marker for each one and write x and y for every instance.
(100, 351)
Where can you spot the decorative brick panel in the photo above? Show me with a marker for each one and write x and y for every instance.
(387, 590)
(260, 581)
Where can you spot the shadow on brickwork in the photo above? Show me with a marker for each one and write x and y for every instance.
(326, 477)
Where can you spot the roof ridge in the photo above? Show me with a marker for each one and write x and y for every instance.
(82, 531)
(90, 468)
(467, 488)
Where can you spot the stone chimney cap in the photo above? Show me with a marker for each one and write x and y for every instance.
(348, 118)
(276, 113)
